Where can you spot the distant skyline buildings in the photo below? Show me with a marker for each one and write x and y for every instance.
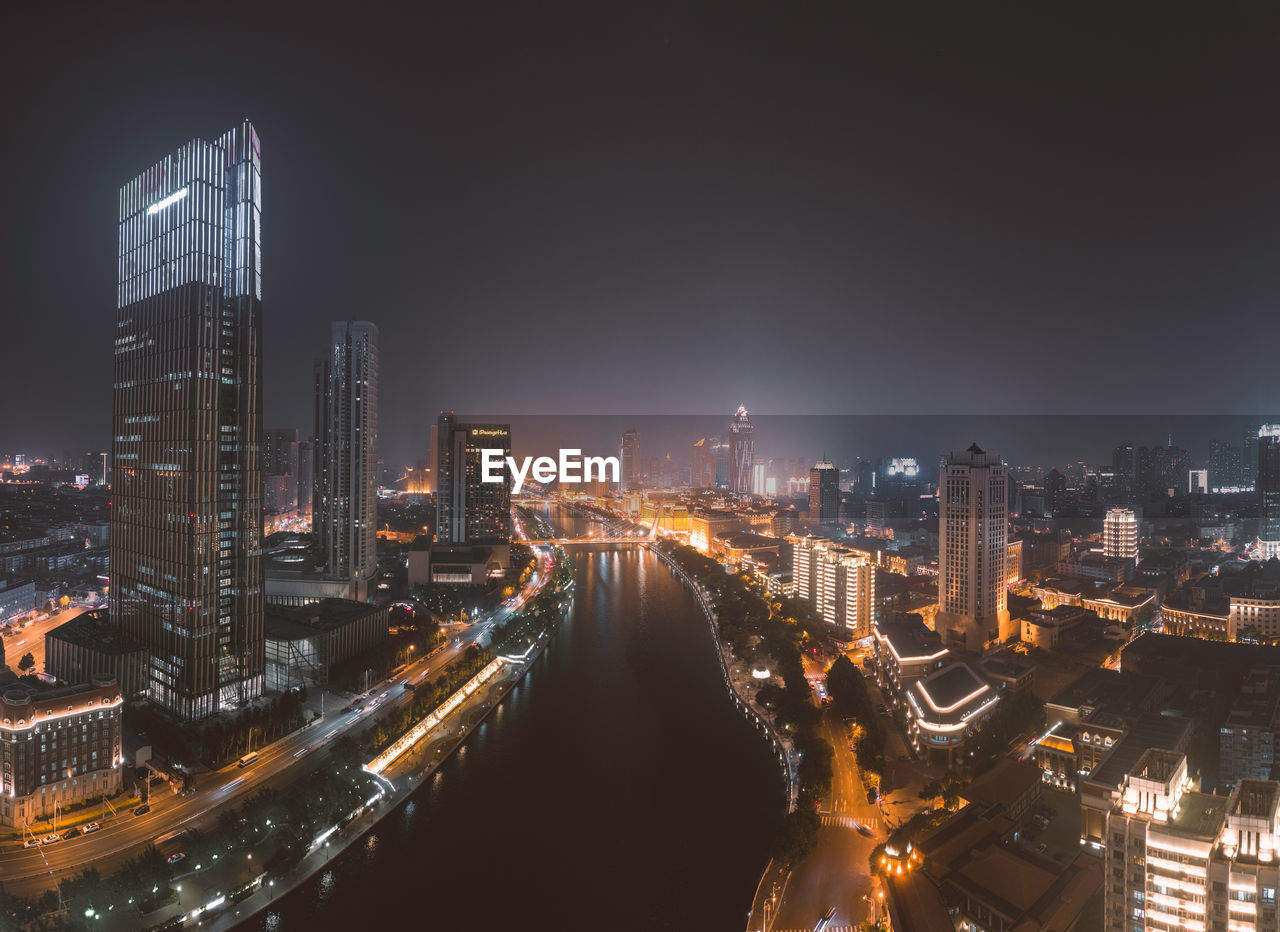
(280, 470)
(186, 518)
(344, 517)
(824, 494)
(742, 455)
(629, 460)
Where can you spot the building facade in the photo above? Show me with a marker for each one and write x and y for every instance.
(280, 471)
(1120, 534)
(824, 494)
(629, 460)
(186, 519)
(742, 451)
(58, 748)
(344, 515)
(1268, 489)
(973, 611)
(469, 510)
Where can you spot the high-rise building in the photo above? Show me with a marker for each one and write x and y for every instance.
(742, 451)
(1224, 465)
(1124, 461)
(720, 447)
(186, 519)
(1175, 858)
(1267, 484)
(306, 477)
(1249, 455)
(99, 467)
(629, 460)
(469, 510)
(280, 471)
(702, 465)
(973, 611)
(824, 494)
(839, 583)
(1120, 534)
(344, 519)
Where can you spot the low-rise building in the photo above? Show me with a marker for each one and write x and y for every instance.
(945, 708)
(1247, 739)
(305, 643)
(17, 597)
(58, 747)
(904, 651)
(88, 646)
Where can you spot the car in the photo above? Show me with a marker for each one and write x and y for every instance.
(31, 843)
(142, 810)
(71, 833)
(862, 829)
(176, 857)
(90, 828)
(189, 791)
(51, 838)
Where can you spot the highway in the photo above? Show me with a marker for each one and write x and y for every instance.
(27, 870)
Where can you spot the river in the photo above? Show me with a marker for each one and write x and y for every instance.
(616, 788)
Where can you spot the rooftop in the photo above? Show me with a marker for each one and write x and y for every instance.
(93, 630)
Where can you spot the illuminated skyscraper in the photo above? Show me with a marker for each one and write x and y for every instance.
(973, 509)
(344, 516)
(280, 470)
(1268, 486)
(1120, 534)
(186, 520)
(629, 460)
(469, 510)
(742, 451)
(824, 494)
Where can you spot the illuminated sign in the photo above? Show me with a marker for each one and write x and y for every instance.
(489, 432)
(167, 201)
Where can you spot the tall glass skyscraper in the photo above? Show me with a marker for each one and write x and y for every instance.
(344, 516)
(186, 519)
(468, 509)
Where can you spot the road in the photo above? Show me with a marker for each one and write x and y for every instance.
(837, 872)
(30, 639)
(278, 764)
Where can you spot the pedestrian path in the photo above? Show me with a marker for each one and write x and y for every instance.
(829, 927)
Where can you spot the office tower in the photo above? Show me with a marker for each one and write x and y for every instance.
(1267, 484)
(1249, 455)
(469, 510)
(280, 471)
(418, 478)
(344, 518)
(629, 460)
(1124, 461)
(720, 447)
(99, 467)
(306, 477)
(742, 451)
(1224, 465)
(1120, 534)
(186, 519)
(973, 509)
(824, 494)
(702, 465)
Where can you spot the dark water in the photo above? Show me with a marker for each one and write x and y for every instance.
(616, 788)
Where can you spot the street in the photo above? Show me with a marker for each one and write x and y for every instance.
(30, 638)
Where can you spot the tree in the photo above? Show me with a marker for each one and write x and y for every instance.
(27, 662)
(797, 837)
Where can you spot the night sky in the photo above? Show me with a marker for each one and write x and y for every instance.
(673, 208)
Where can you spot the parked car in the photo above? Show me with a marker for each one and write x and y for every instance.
(176, 857)
(142, 810)
(31, 843)
(71, 833)
(51, 838)
(90, 828)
